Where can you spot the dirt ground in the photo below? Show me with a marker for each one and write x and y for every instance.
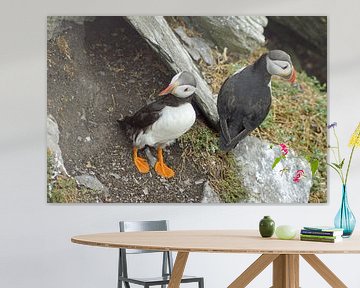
(97, 73)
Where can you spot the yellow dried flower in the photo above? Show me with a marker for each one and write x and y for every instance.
(355, 138)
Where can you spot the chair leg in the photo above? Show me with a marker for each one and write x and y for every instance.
(201, 283)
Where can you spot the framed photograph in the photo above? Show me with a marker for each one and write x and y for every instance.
(185, 109)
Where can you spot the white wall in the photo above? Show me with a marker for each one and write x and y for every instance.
(35, 248)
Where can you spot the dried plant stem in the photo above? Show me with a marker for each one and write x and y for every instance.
(338, 146)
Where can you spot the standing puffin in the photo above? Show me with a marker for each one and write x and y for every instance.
(160, 123)
(244, 99)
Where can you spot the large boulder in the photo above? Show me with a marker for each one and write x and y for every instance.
(197, 47)
(242, 34)
(156, 31)
(312, 29)
(210, 196)
(53, 135)
(267, 185)
(92, 183)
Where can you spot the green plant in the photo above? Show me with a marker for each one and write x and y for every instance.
(313, 162)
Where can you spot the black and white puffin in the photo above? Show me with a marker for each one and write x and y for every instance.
(244, 99)
(161, 122)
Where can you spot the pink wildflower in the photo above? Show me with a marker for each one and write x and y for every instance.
(298, 175)
(284, 149)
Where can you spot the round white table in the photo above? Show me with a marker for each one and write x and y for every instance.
(284, 254)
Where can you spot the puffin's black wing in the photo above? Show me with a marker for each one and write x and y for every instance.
(225, 102)
(142, 119)
(146, 116)
(150, 113)
(226, 97)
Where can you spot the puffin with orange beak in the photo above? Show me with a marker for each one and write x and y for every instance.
(244, 99)
(161, 122)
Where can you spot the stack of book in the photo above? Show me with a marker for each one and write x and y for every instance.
(321, 234)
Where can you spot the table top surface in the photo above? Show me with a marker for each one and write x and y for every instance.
(217, 241)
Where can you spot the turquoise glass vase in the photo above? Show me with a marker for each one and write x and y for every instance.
(345, 219)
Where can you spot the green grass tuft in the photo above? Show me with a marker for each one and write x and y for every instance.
(63, 189)
(201, 145)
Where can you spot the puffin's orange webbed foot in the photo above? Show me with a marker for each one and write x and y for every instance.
(140, 163)
(161, 168)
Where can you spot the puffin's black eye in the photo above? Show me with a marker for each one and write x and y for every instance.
(186, 89)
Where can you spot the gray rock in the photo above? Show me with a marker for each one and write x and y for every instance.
(241, 34)
(267, 185)
(152, 159)
(313, 29)
(193, 53)
(200, 181)
(187, 40)
(92, 183)
(115, 175)
(53, 135)
(156, 31)
(197, 47)
(187, 182)
(209, 195)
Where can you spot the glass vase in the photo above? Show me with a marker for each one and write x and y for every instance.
(345, 219)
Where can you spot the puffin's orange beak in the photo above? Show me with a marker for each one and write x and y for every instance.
(167, 90)
(292, 78)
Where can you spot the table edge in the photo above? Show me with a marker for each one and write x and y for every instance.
(203, 250)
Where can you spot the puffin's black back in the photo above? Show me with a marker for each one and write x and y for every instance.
(244, 100)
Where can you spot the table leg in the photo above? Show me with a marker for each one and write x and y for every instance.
(178, 269)
(253, 270)
(293, 261)
(324, 271)
(286, 271)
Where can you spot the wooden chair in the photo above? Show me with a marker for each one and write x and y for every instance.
(167, 262)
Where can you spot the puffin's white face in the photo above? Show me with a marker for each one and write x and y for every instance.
(279, 67)
(183, 91)
(182, 85)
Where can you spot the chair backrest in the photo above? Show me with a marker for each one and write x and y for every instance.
(134, 226)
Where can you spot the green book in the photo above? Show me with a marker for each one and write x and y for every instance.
(319, 236)
(325, 240)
